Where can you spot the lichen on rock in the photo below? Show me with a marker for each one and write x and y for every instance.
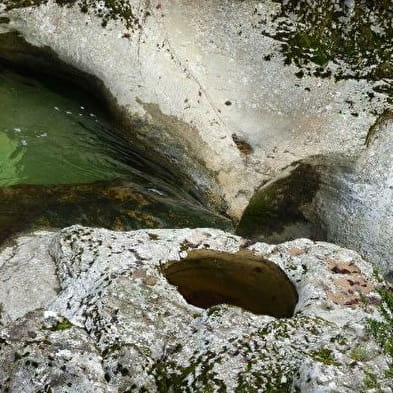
(117, 309)
(106, 10)
(345, 39)
(110, 298)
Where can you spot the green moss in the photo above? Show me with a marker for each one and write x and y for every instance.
(279, 203)
(370, 381)
(272, 385)
(360, 354)
(64, 325)
(339, 339)
(114, 9)
(357, 38)
(171, 377)
(325, 356)
(382, 330)
(215, 311)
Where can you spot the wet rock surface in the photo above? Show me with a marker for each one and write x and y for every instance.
(118, 204)
(242, 114)
(116, 324)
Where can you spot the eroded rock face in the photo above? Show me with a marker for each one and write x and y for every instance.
(354, 201)
(217, 100)
(116, 323)
(232, 104)
(343, 200)
(212, 93)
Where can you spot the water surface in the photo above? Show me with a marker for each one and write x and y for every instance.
(63, 162)
(49, 138)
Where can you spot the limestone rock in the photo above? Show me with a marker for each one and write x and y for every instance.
(117, 324)
(344, 200)
(205, 93)
(27, 275)
(354, 201)
(222, 104)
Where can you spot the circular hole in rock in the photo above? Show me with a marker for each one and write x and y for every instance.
(207, 278)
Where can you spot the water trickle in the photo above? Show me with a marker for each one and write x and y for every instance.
(63, 163)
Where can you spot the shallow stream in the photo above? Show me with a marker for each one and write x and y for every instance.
(62, 162)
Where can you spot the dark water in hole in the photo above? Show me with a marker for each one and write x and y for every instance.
(62, 163)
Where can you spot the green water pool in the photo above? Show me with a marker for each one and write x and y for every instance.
(63, 162)
(49, 138)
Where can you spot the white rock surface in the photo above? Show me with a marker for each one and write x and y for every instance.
(179, 66)
(98, 315)
(354, 202)
(117, 323)
(27, 275)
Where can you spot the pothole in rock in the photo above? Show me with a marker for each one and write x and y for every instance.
(63, 162)
(207, 278)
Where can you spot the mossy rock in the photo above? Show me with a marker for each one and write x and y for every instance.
(357, 37)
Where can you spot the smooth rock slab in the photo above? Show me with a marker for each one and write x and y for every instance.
(27, 275)
(117, 325)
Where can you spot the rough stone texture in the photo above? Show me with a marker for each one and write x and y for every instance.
(351, 205)
(117, 325)
(217, 95)
(209, 89)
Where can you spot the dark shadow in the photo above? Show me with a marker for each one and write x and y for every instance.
(116, 204)
(276, 211)
(207, 278)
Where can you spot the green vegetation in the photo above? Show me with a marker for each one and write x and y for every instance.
(360, 354)
(170, 376)
(370, 381)
(64, 325)
(357, 38)
(382, 330)
(324, 356)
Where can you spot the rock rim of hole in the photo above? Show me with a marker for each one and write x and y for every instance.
(115, 321)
